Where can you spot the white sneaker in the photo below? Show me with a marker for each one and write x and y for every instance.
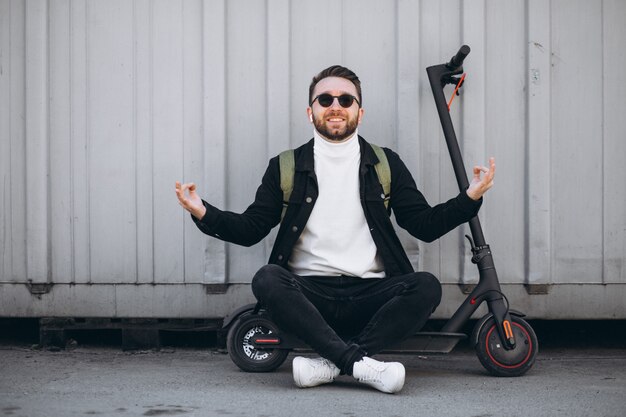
(309, 372)
(384, 376)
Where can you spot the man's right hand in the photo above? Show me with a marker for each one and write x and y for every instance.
(192, 202)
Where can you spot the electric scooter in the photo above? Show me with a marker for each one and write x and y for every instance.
(505, 343)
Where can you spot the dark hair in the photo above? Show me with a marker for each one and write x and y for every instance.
(336, 71)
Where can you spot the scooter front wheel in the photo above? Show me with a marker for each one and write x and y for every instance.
(244, 354)
(507, 362)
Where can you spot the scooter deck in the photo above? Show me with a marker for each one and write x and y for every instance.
(428, 342)
(422, 342)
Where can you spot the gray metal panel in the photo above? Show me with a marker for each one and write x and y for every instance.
(111, 148)
(143, 137)
(407, 88)
(614, 145)
(361, 50)
(440, 34)
(246, 117)
(168, 137)
(193, 126)
(79, 209)
(105, 104)
(37, 142)
(473, 127)
(6, 229)
(576, 141)
(538, 228)
(60, 142)
(505, 130)
(214, 129)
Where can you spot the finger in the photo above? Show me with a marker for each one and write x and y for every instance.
(184, 187)
(180, 188)
(180, 192)
(478, 170)
(492, 169)
(181, 198)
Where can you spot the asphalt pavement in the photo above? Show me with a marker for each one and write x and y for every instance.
(105, 381)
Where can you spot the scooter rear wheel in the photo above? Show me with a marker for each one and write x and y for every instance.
(244, 354)
(500, 361)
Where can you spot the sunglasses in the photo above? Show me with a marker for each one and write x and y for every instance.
(345, 100)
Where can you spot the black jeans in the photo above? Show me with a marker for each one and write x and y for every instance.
(345, 318)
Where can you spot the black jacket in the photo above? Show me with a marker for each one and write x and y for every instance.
(409, 206)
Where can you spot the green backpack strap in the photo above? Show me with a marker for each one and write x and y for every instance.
(384, 172)
(288, 168)
(287, 171)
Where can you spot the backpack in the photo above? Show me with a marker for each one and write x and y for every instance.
(288, 167)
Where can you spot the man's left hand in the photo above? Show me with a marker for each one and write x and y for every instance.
(479, 186)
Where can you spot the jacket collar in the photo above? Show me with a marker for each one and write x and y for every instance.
(305, 160)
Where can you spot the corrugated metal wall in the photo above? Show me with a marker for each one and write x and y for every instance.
(104, 105)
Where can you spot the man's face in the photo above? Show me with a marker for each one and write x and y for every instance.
(335, 123)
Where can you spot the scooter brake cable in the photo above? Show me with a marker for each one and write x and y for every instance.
(455, 93)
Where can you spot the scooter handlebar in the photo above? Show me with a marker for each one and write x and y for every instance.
(457, 61)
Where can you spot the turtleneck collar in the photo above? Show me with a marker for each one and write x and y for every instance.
(336, 150)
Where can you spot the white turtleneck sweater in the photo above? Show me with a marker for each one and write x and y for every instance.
(336, 239)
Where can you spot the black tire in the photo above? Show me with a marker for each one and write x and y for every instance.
(501, 362)
(243, 354)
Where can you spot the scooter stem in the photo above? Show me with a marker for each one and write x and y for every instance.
(439, 76)
(488, 288)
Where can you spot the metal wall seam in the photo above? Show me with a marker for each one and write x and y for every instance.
(143, 113)
(614, 145)
(193, 167)
(409, 71)
(6, 225)
(214, 129)
(60, 142)
(538, 209)
(472, 103)
(79, 116)
(431, 137)
(278, 76)
(37, 142)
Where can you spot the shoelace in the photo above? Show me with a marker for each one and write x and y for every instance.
(373, 372)
(326, 368)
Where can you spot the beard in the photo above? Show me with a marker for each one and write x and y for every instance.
(335, 134)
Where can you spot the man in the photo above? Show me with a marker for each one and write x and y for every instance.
(338, 277)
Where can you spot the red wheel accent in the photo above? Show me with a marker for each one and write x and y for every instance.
(530, 350)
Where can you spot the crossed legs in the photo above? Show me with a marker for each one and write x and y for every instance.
(346, 318)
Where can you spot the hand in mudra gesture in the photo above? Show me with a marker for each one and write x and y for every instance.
(189, 199)
(479, 186)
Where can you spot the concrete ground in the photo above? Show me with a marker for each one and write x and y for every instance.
(105, 381)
